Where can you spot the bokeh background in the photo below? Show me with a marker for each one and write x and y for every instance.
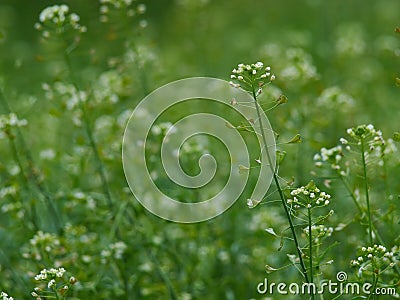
(336, 61)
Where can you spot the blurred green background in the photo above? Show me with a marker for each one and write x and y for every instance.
(335, 60)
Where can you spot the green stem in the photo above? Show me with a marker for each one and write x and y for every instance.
(374, 276)
(310, 245)
(281, 194)
(366, 191)
(165, 278)
(375, 283)
(89, 133)
(361, 210)
(23, 177)
(55, 293)
(55, 216)
(317, 255)
(353, 197)
(142, 75)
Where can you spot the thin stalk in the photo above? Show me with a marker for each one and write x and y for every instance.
(89, 133)
(23, 176)
(31, 169)
(56, 293)
(353, 197)
(374, 276)
(310, 248)
(361, 210)
(165, 278)
(281, 194)
(375, 283)
(366, 192)
(317, 255)
(142, 75)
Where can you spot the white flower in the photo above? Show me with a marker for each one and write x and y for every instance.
(51, 283)
(251, 203)
(141, 8)
(56, 17)
(4, 296)
(47, 154)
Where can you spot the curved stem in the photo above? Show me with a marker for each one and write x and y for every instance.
(31, 175)
(310, 248)
(90, 136)
(281, 194)
(366, 192)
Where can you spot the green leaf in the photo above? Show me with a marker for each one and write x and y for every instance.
(243, 169)
(270, 269)
(282, 99)
(281, 242)
(243, 127)
(55, 113)
(292, 258)
(396, 136)
(295, 140)
(280, 155)
(271, 231)
(311, 185)
(229, 125)
(251, 203)
(398, 81)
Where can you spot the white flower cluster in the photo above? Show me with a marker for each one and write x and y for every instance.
(376, 255)
(106, 6)
(59, 19)
(163, 128)
(8, 190)
(54, 278)
(10, 120)
(350, 41)
(109, 86)
(4, 296)
(308, 196)
(45, 240)
(115, 250)
(47, 154)
(50, 274)
(251, 77)
(12, 205)
(365, 131)
(333, 156)
(196, 147)
(298, 66)
(334, 98)
(319, 232)
(69, 97)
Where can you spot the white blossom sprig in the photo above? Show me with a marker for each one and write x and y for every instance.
(4, 296)
(309, 196)
(54, 281)
(128, 7)
(251, 77)
(57, 19)
(374, 259)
